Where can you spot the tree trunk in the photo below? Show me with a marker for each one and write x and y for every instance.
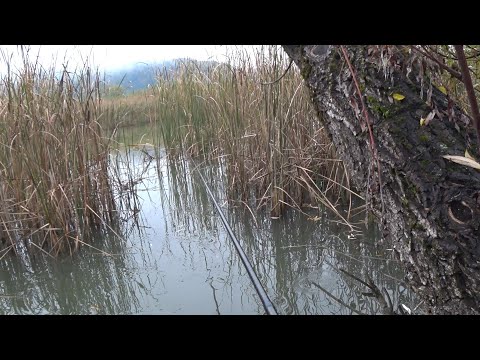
(430, 204)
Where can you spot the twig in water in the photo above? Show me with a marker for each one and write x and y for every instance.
(387, 308)
(337, 299)
(215, 299)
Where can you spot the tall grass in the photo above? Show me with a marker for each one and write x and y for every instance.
(57, 187)
(130, 110)
(55, 191)
(268, 137)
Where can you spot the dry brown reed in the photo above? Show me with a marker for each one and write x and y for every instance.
(273, 148)
(55, 190)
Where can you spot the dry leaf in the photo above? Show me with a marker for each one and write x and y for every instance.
(443, 89)
(462, 160)
(398, 97)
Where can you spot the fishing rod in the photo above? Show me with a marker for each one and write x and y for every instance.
(267, 304)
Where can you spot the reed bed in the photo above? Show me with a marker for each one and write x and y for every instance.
(58, 184)
(55, 189)
(264, 133)
(128, 110)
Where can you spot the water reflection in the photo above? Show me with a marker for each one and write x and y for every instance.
(174, 257)
(87, 283)
(308, 266)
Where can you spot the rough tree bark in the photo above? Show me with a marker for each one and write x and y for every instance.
(431, 205)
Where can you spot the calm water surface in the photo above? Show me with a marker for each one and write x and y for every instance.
(176, 258)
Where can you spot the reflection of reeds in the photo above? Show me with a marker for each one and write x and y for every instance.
(290, 254)
(55, 190)
(88, 283)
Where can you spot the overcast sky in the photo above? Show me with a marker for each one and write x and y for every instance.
(111, 57)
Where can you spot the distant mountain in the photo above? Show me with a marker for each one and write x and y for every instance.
(140, 75)
(136, 77)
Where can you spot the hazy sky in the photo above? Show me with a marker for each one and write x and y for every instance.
(114, 56)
